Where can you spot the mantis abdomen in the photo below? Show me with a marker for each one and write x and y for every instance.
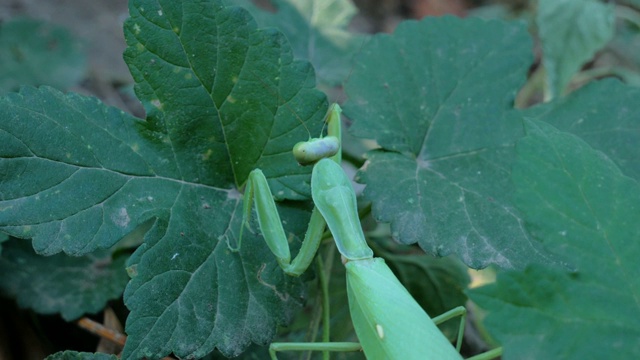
(389, 323)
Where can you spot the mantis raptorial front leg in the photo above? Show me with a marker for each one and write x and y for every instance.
(257, 191)
(389, 323)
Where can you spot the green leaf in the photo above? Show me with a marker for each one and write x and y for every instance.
(255, 77)
(317, 31)
(74, 355)
(585, 210)
(221, 99)
(36, 53)
(436, 96)
(571, 32)
(71, 286)
(80, 175)
(253, 352)
(607, 123)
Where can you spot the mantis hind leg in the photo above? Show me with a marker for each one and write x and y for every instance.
(458, 311)
(313, 346)
(462, 312)
(325, 346)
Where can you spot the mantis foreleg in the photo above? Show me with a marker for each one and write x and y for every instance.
(257, 192)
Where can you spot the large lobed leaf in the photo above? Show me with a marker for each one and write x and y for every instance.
(436, 95)
(221, 98)
(234, 97)
(585, 210)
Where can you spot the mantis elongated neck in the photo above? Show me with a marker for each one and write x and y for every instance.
(334, 197)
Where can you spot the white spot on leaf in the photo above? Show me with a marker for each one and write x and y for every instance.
(121, 218)
(233, 195)
(157, 103)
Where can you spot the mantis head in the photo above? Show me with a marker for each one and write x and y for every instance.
(310, 152)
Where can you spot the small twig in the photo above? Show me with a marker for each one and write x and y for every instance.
(102, 331)
(106, 333)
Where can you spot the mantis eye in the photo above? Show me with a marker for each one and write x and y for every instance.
(310, 152)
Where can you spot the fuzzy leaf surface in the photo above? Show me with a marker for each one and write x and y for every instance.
(578, 202)
(607, 123)
(75, 355)
(442, 176)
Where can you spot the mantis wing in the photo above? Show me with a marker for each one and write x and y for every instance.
(388, 321)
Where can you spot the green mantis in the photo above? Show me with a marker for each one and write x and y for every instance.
(389, 323)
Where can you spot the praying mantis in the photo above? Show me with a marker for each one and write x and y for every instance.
(388, 322)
